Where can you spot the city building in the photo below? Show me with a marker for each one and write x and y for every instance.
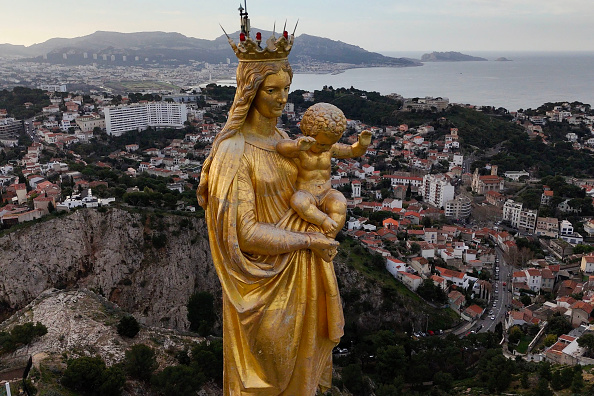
(436, 190)
(516, 175)
(9, 131)
(120, 119)
(547, 226)
(88, 123)
(426, 103)
(458, 208)
(483, 184)
(53, 87)
(523, 220)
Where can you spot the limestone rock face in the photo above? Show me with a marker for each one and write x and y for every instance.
(148, 264)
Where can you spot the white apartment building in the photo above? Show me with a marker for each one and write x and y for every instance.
(437, 190)
(523, 220)
(566, 228)
(138, 117)
(165, 114)
(53, 87)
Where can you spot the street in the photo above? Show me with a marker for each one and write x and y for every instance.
(501, 300)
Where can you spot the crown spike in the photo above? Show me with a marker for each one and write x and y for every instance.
(285, 27)
(223, 29)
(294, 30)
(249, 50)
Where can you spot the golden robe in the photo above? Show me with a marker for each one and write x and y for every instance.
(281, 308)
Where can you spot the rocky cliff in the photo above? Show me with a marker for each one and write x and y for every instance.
(150, 264)
(147, 264)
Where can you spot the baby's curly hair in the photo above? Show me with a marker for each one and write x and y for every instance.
(323, 117)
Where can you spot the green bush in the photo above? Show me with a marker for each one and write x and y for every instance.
(128, 326)
(140, 362)
(21, 335)
(178, 380)
(90, 376)
(201, 312)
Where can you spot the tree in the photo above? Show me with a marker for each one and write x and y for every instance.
(558, 325)
(429, 291)
(577, 384)
(391, 360)
(85, 374)
(113, 381)
(25, 333)
(526, 300)
(201, 312)
(544, 371)
(515, 335)
(140, 362)
(352, 377)
(443, 380)
(128, 326)
(178, 380)
(524, 380)
(542, 388)
(587, 341)
(207, 358)
(550, 339)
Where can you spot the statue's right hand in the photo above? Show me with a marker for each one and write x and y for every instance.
(322, 246)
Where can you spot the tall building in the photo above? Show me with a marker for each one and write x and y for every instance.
(356, 188)
(458, 208)
(139, 117)
(436, 190)
(522, 219)
(165, 114)
(53, 87)
(9, 131)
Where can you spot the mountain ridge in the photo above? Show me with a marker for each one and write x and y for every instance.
(176, 48)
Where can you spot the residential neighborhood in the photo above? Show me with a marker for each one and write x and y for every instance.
(503, 251)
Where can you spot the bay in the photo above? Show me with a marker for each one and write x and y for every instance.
(527, 81)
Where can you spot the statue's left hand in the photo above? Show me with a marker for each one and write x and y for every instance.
(365, 138)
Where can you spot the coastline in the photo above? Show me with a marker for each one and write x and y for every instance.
(528, 81)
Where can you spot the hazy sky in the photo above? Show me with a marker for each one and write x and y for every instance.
(376, 25)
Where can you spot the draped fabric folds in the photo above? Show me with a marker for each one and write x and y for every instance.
(281, 311)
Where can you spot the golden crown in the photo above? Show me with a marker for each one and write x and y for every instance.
(250, 50)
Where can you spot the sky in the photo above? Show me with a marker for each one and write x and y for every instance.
(380, 26)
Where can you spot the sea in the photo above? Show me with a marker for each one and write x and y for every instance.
(528, 80)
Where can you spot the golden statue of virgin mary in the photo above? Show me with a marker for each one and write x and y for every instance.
(282, 313)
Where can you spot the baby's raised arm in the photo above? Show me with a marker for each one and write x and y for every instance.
(291, 148)
(355, 150)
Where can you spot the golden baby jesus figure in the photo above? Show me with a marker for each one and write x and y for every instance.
(316, 201)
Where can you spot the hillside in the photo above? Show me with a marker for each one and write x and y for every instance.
(174, 48)
(150, 264)
(78, 274)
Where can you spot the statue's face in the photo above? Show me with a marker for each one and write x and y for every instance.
(272, 95)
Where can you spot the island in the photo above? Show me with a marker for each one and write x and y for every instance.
(503, 59)
(449, 57)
